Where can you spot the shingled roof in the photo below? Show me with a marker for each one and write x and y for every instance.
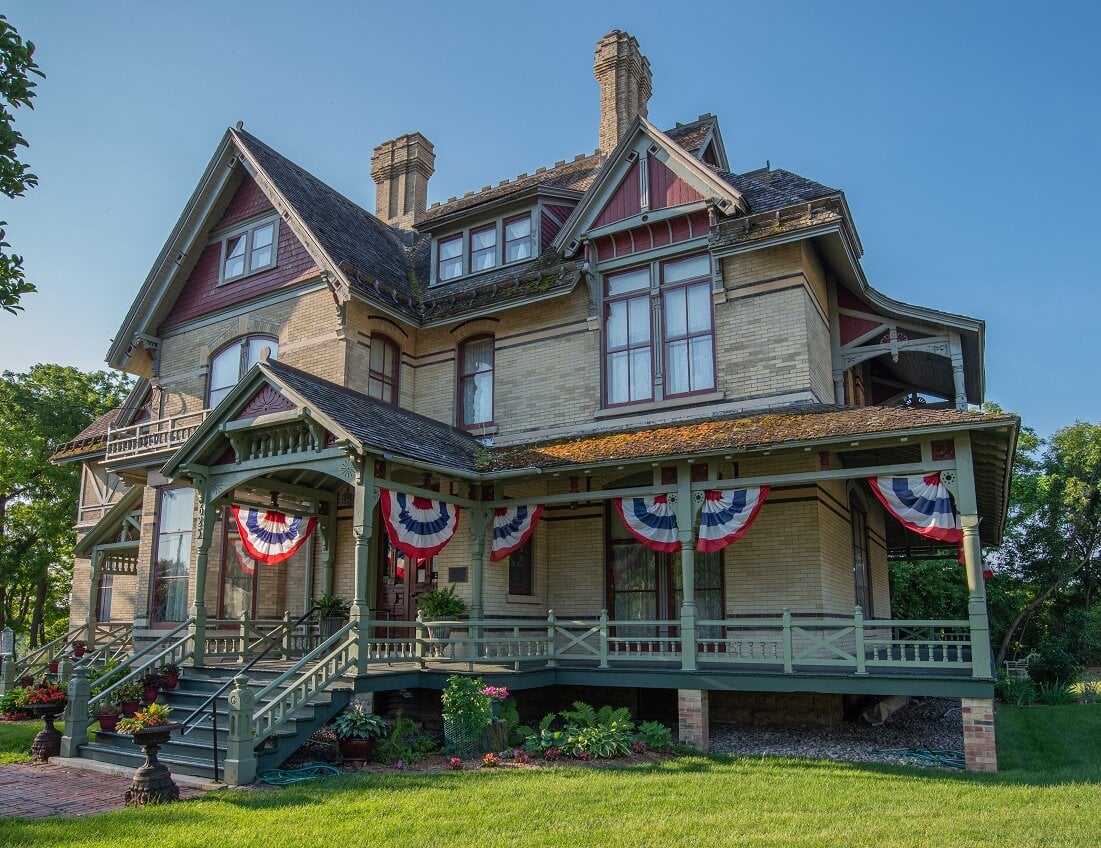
(351, 235)
(691, 135)
(766, 190)
(383, 426)
(89, 441)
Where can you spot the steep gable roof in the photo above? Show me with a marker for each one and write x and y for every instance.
(696, 136)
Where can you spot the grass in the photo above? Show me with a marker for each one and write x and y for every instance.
(15, 740)
(1046, 795)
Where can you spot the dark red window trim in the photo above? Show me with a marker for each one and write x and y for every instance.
(391, 382)
(505, 241)
(685, 284)
(439, 261)
(459, 410)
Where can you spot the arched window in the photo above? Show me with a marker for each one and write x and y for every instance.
(229, 364)
(385, 366)
(476, 381)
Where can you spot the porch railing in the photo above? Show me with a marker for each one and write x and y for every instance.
(149, 437)
(786, 644)
(240, 639)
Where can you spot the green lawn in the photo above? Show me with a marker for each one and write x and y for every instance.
(693, 802)
(15, 740)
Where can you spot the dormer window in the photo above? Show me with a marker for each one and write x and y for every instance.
(246, 251)
(451, 258)
(517, 238)
(483, 248)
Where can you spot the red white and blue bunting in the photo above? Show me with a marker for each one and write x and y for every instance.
(921, 503)
(651, 521)
(728, 515)
(512, 526)
(418, 527)
(271, 536)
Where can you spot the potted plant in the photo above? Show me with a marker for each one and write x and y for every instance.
(154, 716)
(129, 696)
(108, 714)
(79, 648)
(151, 685)
(46, 695)
(497, 696)
(332, 614)
(356, 732)
(440, 604)
(52, 666)
(169, 674)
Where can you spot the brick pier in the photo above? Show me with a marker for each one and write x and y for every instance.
(978, 734)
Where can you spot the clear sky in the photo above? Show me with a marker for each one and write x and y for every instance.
(965, 136)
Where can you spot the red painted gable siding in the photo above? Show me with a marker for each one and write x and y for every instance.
(551, 222)
(850, 326)
(625, 202)
(667, 189)
(201, 294)
(650, 236)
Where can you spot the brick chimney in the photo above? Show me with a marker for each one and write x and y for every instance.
(625, 84)
(401, 169)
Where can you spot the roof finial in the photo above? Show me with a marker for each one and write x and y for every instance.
(240, 125)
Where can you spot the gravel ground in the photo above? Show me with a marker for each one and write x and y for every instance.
(923, 723)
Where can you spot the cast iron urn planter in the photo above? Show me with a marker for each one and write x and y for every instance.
(152, 780)
(48, 741)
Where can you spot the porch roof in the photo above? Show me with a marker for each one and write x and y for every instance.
(89, 441)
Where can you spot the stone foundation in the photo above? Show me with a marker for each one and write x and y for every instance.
(694, 718)
(979, 747)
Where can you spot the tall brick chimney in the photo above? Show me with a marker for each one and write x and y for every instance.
(401, 169)
(625, 84)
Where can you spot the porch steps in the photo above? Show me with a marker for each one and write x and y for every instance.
(192, 754)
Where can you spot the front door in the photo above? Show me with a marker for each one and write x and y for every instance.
(402, 580)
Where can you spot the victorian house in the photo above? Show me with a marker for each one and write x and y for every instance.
(640, 408)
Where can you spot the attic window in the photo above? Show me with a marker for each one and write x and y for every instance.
(249, 249)
(517, 238)
(451, 258)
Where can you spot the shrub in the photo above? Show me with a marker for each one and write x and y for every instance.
(1053, 663)
(1055, 694)
(356, 723)
(656, 736)
(466, 713)
(15, 701)
(405, 744)
(1018, 691)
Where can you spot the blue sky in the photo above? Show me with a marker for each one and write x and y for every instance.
(965, 136)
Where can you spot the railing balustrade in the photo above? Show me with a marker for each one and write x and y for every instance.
(149, 437)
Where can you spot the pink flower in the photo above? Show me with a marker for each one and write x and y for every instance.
(455, 764)
(497, 693)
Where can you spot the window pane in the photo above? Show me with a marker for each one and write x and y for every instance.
(481, 239)
(377, 389)
(451, 248)
(451, 268)
(520, 228)
(634, 568)
(235, 257)
(676, 367)
(617, 378)
(641, 386)
(703, 367)
(177, 508)
(483, 259)
(262, 236)
(483, 249)
(478, 398)
(639, 325)
(255, 346)
(518, 239)
(260, 257)
(520, 570)
(377, 354)
(451, 258)
(477, 356)
(676, 319)
(630, 281)
(699, 308)
(225, 370)
(686, 269)
(617, 325)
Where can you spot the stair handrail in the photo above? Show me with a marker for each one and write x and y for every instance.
(158, 652)
(303, 689)
(187, 725)
(23, 664)
(116, 637)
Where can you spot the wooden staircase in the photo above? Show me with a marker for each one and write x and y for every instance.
(193, 754)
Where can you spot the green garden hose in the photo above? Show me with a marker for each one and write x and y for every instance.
(285, 777)
(933, 756)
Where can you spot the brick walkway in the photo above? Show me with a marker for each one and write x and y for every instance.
(36, 791)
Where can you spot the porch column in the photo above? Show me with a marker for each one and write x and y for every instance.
(90, 621)
(479, 520)
(207, 517)
(327, 537)
(966, 500)
(363, 515)
(686, 516)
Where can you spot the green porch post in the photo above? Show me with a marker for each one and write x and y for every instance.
(479, 520)
(207, 513)
(90, 621)
(76, 712)
(685, 521)
(363, 514)
(967, 503)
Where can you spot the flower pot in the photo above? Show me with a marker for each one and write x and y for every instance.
(79, 652)
(129, 708)
(51, 666)
(26, 681)
(355, 749)
(171, 681)
(151, 693)
(108, 723)
(152, 780)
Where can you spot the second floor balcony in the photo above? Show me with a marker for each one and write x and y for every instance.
(147, 439)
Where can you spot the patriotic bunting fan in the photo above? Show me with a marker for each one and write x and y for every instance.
(728, 515)
(271, 536)
(921, 503)
(512, 526)
(418, 527)
(651, 521)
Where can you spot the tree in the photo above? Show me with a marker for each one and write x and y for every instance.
(16, 89)
(1053, 535)
(40, 410)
